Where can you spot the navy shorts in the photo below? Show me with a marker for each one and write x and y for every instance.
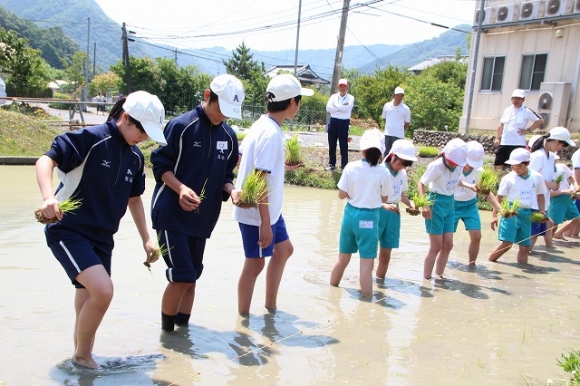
(251, 235)
(183, 256)
(76, 253)
(502, 154)
(538, 228)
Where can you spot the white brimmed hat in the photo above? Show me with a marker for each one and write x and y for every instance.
(518, 93)
(399, 90)
(372, 138)
(561, 134)
(475, 153)
(404, 149)
(518, 156)
(149, 111)
(456, 151)
(343, 82)
(230, 92)
(533, 140)
(285, 86)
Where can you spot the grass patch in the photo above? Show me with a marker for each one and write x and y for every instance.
(428, 151)
(571, 364)
(23, 135)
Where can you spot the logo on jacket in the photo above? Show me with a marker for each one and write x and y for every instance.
(106, 163)
(196, 144)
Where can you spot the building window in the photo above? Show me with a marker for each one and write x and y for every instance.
(533, 71)
(492, 73)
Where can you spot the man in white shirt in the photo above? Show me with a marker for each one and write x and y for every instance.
(511, 131)
(340, 107)
(397, 116)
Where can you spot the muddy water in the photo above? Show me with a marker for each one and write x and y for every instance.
(496, 324)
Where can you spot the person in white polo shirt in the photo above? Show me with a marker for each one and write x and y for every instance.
(397, 117)
(340, 108)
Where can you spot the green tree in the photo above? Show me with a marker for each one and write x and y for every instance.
(104, 82)
(145, 75)
(250, 72)
(452, 72)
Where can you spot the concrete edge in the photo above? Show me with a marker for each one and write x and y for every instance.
(14, 160)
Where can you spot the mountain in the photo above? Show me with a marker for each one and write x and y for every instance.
(445, 44)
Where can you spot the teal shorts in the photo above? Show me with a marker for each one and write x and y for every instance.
(443, 214)
(467, 212)
(516, 229)
(389, 229)
(562, 208)
(359, 231)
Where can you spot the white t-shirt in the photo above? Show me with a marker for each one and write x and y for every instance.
(576, 159)
(365, 184)
(513, 120)
(262, 149)
(464, 194)
(395, 119)
(544, 164)
(562, 169)
(526, 189)
(399, 183)
(440, 178)
(340, 107)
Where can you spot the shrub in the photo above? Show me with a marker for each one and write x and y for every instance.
(428, 151)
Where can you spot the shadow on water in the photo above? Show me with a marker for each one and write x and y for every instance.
(405, 287)
(529, 268)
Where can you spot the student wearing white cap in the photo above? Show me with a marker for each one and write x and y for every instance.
(339, 106)
(103, 168)
(466, 198)
(513, 127)
(197, 163)
(562, 203)
(366, 186)
(263, 228)
(575, 230)
(442, 177)
(401, 156)
(397, 116)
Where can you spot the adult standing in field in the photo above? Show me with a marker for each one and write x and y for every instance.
(339, 106)
(197, 164)
(397, 116)
(103, 167)
(513, 127)
(101, 100)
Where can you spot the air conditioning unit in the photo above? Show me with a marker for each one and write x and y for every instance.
(487, 11)
(530, 10)
(505, 14)
(570, 6)
(555, 7)
(576, 8)
(553, 102)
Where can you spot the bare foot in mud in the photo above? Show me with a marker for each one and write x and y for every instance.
(88, 363)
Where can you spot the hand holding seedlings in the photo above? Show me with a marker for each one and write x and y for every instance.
(53, 211)
(188, 199)
(156, 252)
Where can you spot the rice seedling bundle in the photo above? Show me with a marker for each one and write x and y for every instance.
(67, 206)
(421, 201)
(538, 217)
(293, 153)
(488, 181)
(559, 179)
(508, 210)
(253, 189)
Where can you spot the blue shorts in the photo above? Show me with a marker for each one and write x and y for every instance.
(359, 231)
(538, 228)
(467, 212)
(443, 214)
(562, 208)
(389, 228)
(251, 235)
(578, 205)
(516, 229)
(183, 255)
(76, 253)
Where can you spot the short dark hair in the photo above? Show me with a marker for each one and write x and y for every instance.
(117, 109)
(373, 156)
(213, 97)
(136, 123)
(274, 107)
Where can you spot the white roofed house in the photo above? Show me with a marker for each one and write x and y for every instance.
(420, 67)
(530, 45)
(304, 74)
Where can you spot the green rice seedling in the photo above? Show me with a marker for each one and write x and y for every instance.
(538, 217)
(559, 179)
(428, 151)
(158, 251)
(508, 210)
(413, 211)
(488, 181)
(421, 201)
(67, 206)
(293, 154)
(241, 136)
(253, 190)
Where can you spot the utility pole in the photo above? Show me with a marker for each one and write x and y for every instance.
(474, 65)
(175, 58)
(126, 61)
(297, 36)
(339, 47)
(86, 88)
(94, 58)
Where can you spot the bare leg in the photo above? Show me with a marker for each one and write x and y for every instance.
(338, 269)
(548, 234)
(91, 305)
(384, 260)
(443, 255)
(500, 250)
(523, 253)
(566, 228)
(435, 243)
(174, 295)
(473, 251)
(366, 276)
(275, 270)
(247, 282)
(186, 303)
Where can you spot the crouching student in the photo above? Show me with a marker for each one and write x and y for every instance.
(466, 198)
(401, 156)
(442, 177)
(562, 204)
(521, 184)
(366, 186)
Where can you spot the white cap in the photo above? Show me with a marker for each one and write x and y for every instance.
(533, 140)
(399, 90)
(230, 92)
(404, 149)
(149, 111)
(456, 151)
(561, 134)
(518, 156)
(372, 138)
(343, 82)
(286, 86)
(518, 93)
(475, 154)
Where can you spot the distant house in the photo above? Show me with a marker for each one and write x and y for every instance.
(420, 67)
(303, 72)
